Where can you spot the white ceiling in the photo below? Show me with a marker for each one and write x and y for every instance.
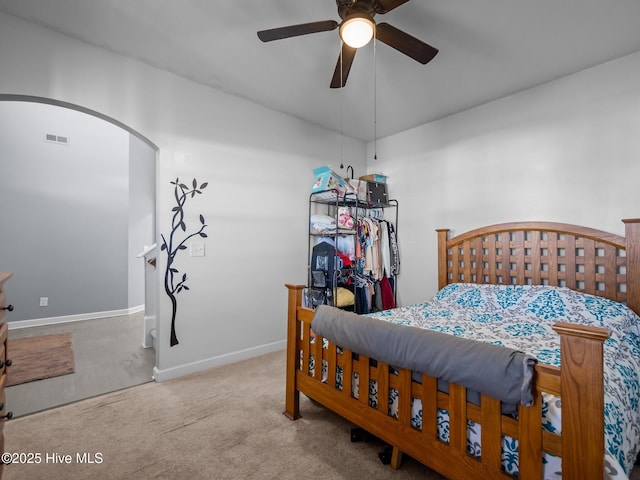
(488, 49)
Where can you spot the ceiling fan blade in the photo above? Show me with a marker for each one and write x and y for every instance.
(405, 43)
(345, 60)
(297, 30)
(384, 6)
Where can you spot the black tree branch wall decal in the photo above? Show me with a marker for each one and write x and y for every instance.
(174, 283)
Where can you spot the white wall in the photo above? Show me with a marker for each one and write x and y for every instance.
(142, 221)
(259, 167)
(567, 151)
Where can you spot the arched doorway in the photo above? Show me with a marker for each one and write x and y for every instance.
(79, 197)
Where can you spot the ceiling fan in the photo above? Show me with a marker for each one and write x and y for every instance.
(357, 17)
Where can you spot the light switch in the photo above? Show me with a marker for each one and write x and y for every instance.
(196, 249)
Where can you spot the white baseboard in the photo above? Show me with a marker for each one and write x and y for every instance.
(37, 322)
(181, 370)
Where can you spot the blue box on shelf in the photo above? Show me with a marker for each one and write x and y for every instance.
(327, 180)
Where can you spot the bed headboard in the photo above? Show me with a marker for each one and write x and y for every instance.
(546, 253)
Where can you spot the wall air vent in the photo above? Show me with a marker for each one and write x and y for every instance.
(59, 139)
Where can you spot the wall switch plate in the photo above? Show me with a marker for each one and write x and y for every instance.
(44, 301)
(196, 249)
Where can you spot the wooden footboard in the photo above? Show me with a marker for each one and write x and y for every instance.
(579, 383)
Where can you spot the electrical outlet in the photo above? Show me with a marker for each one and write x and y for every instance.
(44, 301)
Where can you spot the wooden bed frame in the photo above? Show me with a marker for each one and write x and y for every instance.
(579, 258)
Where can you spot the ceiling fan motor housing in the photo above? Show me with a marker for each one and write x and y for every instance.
(357, 8)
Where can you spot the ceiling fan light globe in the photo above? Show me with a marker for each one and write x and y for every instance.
(357, 31)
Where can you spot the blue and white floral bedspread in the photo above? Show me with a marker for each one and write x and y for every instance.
(521, 317)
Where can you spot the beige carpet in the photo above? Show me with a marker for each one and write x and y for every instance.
(39, 357)
(225, 423)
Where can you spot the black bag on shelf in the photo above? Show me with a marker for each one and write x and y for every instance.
(322, 265)
(315, 297)
(377, 193)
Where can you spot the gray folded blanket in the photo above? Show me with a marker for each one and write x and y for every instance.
(502, 373)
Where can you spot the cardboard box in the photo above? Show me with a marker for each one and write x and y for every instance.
(374, 177)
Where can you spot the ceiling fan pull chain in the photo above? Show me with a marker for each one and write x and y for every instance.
(341, 113)
(375, 101)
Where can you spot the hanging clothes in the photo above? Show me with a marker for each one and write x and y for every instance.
(378, 297)
(377, 261)
(385, 249)
(394, 251)
(386, 292)
(362, 294)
